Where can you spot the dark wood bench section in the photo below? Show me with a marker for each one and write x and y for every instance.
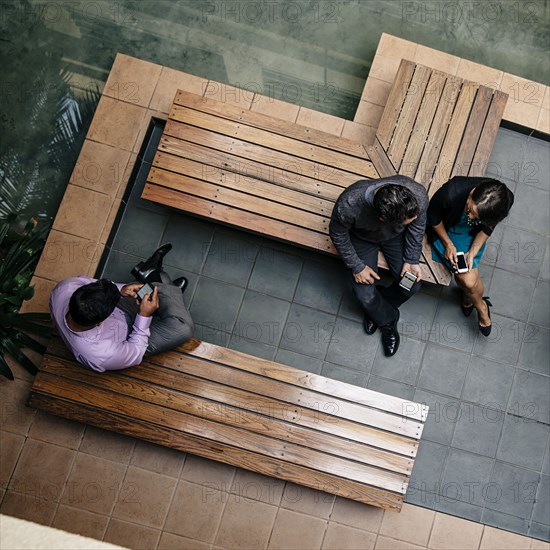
(248, 412)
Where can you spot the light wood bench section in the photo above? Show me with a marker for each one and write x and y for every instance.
(248, 412)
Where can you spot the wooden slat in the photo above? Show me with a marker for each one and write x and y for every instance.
(381, 161)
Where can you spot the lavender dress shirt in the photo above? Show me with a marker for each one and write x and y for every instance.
(107, 346)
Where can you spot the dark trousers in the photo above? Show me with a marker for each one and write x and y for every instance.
(381, 304)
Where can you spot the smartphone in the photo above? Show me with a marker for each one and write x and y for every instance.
(407, 281)
(145, 289)
(461, 264)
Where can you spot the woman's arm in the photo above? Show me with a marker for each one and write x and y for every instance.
(479, 240)
(450, 248)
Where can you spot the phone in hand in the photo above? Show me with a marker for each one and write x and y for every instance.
(407, 281)
(145, 289)
(461, 263)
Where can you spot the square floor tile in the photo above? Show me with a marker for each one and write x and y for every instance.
(504, 342)
(536, 164)
(211, 333)
(451, 533)
(507, 522)
(350, 346)
(342, 537)
(292, 530)
(507, 154)
(350, 376)
(478, 429)
(252, 486)
(540, 309)
(443, 370)
(356, 514)
(252, 347)
(157, 458)
(81, 522)
(350, 306)
(9, 454)
(403, 366)
(299, 361)
(493, 247)
(459, 509)
(107, 444)
(426, 474)
(131, 535)
(541, 513)
(417, 316)
(531, 210)
(442, 416)
(523, 442)
(546, 461)
(28, 507)
(307, 501)
(539, 531)
(530, 397)
(545, 266)
(511, 294)
(119, 265)
(413, 524)
(535, 350)
(390, 387)
(521, 251)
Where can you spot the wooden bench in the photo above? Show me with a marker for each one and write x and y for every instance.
(281, 179)
(248, 412)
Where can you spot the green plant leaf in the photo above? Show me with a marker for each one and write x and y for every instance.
(4, 368)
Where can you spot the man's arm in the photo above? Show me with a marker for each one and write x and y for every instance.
(339, 231)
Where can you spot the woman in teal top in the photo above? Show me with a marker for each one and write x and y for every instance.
(462, 215)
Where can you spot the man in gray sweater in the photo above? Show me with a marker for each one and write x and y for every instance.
(388, 214)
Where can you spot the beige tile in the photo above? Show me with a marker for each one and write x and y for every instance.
(253, 486)
(539, 545)
(543, 124)
(126, 176)
(145, 126)
(393, 46)
(108, 445)
(386, 543)
(116, 123)
(468, 70)
(42, 470)
(215, 475)
(195, 513)
(10, 449)
(275, 108)
(66, 256)
(376, 91)
(246, 524)
(356, 514)
(451, 533)
(40, 301)
(82, 212)
(359, 132)
(296, 531)
(93, 484)
(497, 539)
(16, 417)
(308, 501)
(368, 114)
(157, 458)
(413, 524)
(130, 535)
(342, 537)
(546, 98)
(145, 497)
(168, 541)
(57, 430)
(522, 90)
(109, 222)
(320, 121)
(26, 506)
(132, 80)
(521, 113)
(385, 68)
(229, 94)
(169, 83)
(100, 167)
(80, 522)
(436, 59)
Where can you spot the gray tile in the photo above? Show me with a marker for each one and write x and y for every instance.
(523, 442)
(493, 247)
(465, 476)
(216, 304)
(212, 334)
(231, 256)
(512, 491)
(541, 512)
(535, 350)
(540, 310)
(417, 316)
(404, 365)
(390, 387)
(511, 294)
(275, 273)
(140, 232)
(546, 461)
(505, 521)
(539, 531)
(521, 252)
(261, 318)
(536, 164)
(478, 429)
(299, 361)
(321, 285)
(443, 370)
(307, 331)
(350, 376)
(545, 266)
(191, 240)
(252, 347)
(531, 210)
(442, 416)
(507, 155)
(504, 342)
(530, 397)
(459, 509)
(425, 478)
(350, 306)
(488, 383)
(119, 265)
(351, 347)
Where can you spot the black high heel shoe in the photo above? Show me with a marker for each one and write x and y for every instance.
(486, 330)
(466, 310)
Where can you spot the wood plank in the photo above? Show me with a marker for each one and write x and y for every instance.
(395, 101)
(239, 218)
(381, 161)
(440, 272)
(227, 454)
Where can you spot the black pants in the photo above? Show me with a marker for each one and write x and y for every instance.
(381, 304)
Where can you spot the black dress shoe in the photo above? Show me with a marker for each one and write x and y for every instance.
(181, 283)
(390, 338)
(370, 326)
(142, 270)
(486, 330)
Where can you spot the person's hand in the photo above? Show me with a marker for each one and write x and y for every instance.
(149, 304)
(366, 277)
(130, 290)
(414, 269)
(450, 254)
(469, 257)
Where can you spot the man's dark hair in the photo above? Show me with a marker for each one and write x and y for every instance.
(395, 203)
(93, 303)
(493, 200)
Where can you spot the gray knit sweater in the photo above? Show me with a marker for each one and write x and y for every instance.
(353, 214)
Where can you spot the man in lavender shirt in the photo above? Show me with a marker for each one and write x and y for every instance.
(106, 328)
